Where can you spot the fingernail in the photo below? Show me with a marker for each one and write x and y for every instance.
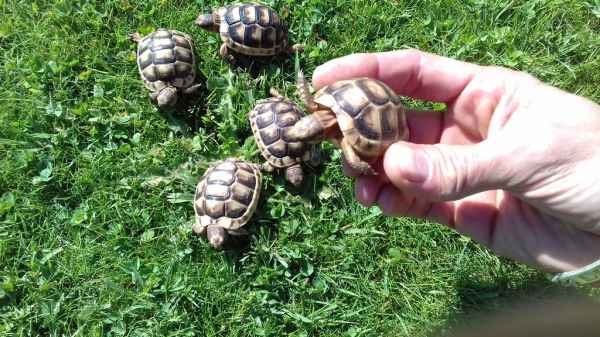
(417, 170)
(323, 68)
(408, 164)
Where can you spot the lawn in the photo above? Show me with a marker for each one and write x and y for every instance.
(96, 183)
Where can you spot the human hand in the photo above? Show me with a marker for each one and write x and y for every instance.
(513, 163)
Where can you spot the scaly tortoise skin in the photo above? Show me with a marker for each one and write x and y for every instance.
(362, 116)
(271, 119)
(249, 29)
(225, 200)
(167, 65)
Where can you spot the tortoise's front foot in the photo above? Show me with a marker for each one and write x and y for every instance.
(135, 37)
(224, 52)
(361, 168)
(355, 163)
(297, 48)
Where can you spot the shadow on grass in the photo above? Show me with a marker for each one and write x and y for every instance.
(256, 65)
(499, 308)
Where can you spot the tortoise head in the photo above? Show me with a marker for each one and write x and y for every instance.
(167, 97)
(208, 22)
(294, 175)
(217, 236)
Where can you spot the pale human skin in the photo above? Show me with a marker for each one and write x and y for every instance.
(513, 163)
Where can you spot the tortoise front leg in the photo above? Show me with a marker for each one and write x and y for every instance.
(224, 52)
(192, 90)
(354, 161)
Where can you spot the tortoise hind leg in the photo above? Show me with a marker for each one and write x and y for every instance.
(304, 93)
(224, 52)
(354, 161)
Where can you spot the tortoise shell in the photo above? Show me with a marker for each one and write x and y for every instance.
(253, 29)
(166, 57)
(227, 194)
(271, 119)
(368, 112)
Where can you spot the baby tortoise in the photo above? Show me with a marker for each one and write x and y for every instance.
(167, 65)
(249, 29)
(226, 198)
(271, 119)
(361, 116)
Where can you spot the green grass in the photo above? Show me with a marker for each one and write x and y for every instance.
(95, 208)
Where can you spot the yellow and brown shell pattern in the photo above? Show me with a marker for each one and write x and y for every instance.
(166, 57)
(368, 111)
(253, 29)
(227, 194)
(271, 119)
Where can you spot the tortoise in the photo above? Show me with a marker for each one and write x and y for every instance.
(271, 119)
(167, 65)
(249, 29)
(225, 200)
(362, 116)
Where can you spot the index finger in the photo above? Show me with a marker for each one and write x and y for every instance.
(409, 72)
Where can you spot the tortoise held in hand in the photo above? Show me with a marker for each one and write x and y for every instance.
(225, 200)
(271, 119)
(361, 116)
(248, 29)
(167, 64)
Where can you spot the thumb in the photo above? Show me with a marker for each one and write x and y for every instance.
(442, 172)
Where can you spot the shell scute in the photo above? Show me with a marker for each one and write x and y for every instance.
(248, 14)
(242, 193)
(265, 118)
(374, 91)
(366, 124)
(235, 209)
(351, 100)
(164, 56)
(270, 134)
(246, 178)
(217, 191)
(214, 208)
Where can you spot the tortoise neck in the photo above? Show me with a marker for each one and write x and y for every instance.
(328, 121)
